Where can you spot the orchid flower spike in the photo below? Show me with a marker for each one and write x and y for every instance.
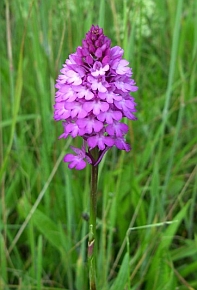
(92, 97)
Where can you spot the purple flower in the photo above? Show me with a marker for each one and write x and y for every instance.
(92, 97)
(99, 69)
(100, 140)
(76, 161)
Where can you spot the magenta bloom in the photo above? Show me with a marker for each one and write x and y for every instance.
(77, 161)
(93, 95)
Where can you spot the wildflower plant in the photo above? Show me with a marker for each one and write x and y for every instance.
(92, 98)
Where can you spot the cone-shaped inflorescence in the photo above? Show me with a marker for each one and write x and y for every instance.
(93, 95)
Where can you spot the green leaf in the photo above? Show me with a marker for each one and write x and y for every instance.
(43, 223)
(172, 228)
(121, 279)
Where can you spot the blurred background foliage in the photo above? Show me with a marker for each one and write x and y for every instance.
(147, 197)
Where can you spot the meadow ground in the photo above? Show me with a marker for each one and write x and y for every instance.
(147, 214)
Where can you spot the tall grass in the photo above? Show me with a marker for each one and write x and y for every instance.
(146, 222)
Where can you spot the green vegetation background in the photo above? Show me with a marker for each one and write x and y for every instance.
(147, 209)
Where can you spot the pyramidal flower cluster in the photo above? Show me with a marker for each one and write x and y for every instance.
(92, 97)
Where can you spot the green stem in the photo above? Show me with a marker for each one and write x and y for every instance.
(92, 229)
